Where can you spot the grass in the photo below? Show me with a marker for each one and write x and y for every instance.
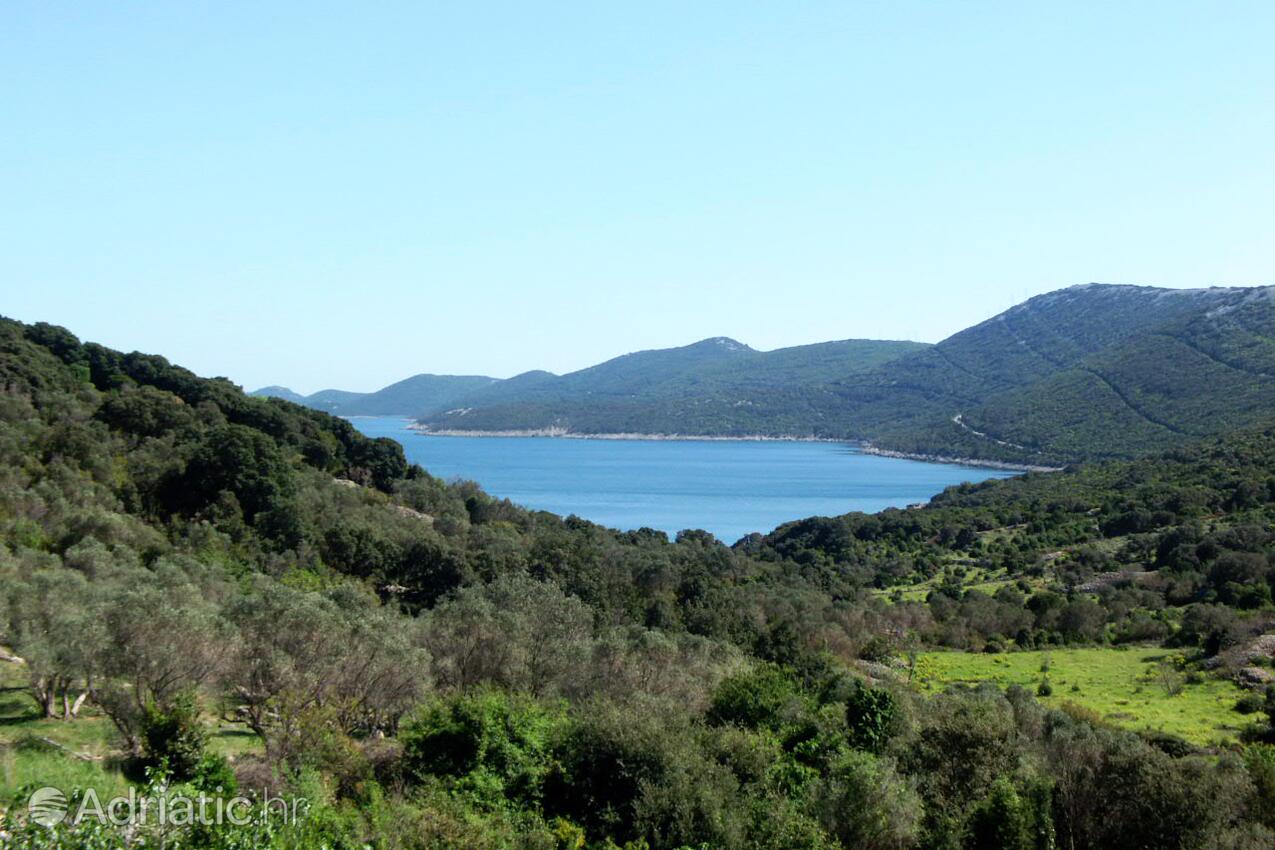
(973, 578)
(28, 761)
(1120, 683)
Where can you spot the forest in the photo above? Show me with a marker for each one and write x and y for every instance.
(432, 667)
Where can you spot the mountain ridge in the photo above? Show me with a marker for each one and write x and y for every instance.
(628, 375)
(1090, 371)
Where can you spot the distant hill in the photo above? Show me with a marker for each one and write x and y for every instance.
(1092, 371)
(279, 392)
(1089, 372)
(410, 397)
(717, 386)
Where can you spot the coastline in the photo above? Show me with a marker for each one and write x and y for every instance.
(562, 433)
(961, 461)
(866, 448)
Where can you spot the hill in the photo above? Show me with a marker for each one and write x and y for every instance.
(713, 387)
(1093, 371)
(230, 591)
(279, 392)
(1088, 372)
(408, 397)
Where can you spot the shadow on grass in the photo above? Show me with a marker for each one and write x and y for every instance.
(16, 706)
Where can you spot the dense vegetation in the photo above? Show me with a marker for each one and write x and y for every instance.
(1090, 372)
(433, 667)
(1182, 365)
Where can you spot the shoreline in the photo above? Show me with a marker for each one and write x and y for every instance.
(865, 448)
(962, 461)
(563, 434)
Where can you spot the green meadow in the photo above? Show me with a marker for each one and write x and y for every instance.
(1126, 686)
(37, 752)
(967, 576)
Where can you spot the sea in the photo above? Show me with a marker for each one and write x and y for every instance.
(729, 488)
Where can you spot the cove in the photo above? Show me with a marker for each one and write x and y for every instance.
(728, 488)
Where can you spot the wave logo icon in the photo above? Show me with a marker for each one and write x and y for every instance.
(47, 807)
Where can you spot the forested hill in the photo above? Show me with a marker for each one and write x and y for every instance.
(716, 385)
(409, 397)
(433, 667)
(1088, 372)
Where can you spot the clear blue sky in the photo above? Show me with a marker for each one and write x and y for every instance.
(343, 195)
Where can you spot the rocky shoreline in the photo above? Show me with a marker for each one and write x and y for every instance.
(962, 461)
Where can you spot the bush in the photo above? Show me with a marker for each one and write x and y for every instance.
(867, 805)
(639, 772)
(1044, 689)
(872, 715)
(1250, 704)
(490, 745)
(879, 649)
(1002, 820)
(174, 738)
(759, 698)
(215, 775)
(1170, 744)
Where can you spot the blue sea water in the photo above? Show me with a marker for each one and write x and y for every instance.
(728, 488)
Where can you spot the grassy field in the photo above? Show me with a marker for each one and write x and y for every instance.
(971, 578)
(82, 753)
(1124, 685)
(27, 758)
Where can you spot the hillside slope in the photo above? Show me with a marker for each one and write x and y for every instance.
(714, 387)
(408, 397)
(1148, 370)
(1092, 371)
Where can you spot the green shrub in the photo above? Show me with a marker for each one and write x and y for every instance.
(174, 737)
(872, 717)
(490, 745)
(1250, 703)
(762, 697)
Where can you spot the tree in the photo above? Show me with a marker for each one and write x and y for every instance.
(161, 642)
(866, 804)
(1002, 821)
(56, 627)
(239, 460)
(303, 651)
(518, 632)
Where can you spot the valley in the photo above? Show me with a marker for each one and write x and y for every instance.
(230, 591)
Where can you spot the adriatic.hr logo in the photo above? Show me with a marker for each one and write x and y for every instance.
(47, 807)
(159, 806)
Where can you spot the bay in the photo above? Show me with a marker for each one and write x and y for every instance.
(729, 488)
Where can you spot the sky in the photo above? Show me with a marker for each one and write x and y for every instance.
(343, 195)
